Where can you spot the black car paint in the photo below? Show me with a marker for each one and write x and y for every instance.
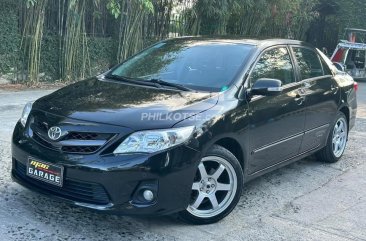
(261, 131)
(101, 100)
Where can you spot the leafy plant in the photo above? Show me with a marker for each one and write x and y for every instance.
(114, 7)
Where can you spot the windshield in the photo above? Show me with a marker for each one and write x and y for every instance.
(199, 65)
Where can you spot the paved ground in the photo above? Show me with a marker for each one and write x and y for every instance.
(307, 200)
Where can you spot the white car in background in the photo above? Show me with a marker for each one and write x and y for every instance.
(350, 55)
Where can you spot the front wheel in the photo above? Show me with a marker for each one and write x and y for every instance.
(216, 188)
(337, 141)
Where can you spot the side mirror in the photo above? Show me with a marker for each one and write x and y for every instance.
(266, 87)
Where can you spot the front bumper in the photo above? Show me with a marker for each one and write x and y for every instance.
(109, 182)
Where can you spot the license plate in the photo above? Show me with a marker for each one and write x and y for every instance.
(45, 171)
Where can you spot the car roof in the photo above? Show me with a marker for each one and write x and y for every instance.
(356, 30)
(350, 45)
(258, 42)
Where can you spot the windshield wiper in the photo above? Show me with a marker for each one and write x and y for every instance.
(166, 83)
(131, 80)
(149, 82)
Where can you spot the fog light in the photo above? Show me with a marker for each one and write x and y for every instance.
(148, 195)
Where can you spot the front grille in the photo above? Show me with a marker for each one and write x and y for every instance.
(72, 189)
(43, 142)
(41, 126)
(80, 149)
(72, 142)
(82, 136)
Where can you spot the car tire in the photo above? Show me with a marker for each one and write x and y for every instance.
(216, 189)
(336, 142)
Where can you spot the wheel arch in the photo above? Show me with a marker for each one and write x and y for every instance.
(232, 145)
(345, 110)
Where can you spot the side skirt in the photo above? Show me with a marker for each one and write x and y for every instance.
(276, 166)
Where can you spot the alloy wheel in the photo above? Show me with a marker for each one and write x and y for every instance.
(214, 187)
(339, 139)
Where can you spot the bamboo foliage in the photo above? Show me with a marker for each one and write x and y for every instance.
(32, 38)
(130, 38)
(162, 16)
(275, 18)
(213, 15)
(136, 20)
(76, 60)
(250, 17)
(130, 25)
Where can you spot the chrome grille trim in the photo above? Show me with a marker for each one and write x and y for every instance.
(81, 143)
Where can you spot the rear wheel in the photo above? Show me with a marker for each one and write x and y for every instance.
(337, 141)
(216, 188)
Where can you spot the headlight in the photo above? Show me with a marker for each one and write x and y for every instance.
(27, 109)
(153, 141)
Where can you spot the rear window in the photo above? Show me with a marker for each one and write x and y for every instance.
(309, 63)
(355, 59)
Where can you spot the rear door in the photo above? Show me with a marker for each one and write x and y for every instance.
(322, 96)
(276, 122)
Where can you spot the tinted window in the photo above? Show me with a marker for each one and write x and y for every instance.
(196, 64)
(274, 64)
(309, 63)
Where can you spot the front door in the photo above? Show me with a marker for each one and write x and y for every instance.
(276, 122)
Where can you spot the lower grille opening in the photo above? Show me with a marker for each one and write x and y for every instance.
(92, 193)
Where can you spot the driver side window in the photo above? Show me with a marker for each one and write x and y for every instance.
(274, 64)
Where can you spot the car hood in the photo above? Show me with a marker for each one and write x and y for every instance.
(119, 103)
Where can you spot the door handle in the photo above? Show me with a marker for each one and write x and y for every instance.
(300, 98)
(334, 89)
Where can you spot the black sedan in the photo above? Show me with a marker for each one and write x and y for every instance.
(183, 125)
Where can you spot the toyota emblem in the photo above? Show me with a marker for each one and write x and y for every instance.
(54, 133)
